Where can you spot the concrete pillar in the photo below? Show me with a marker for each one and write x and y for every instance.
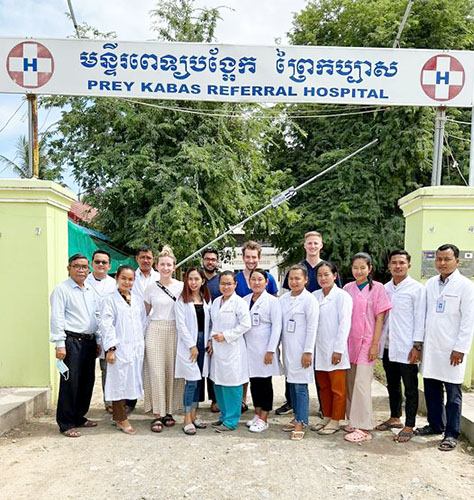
(434, 216)
(34, 253)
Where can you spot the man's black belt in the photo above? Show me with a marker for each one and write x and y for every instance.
(83, 336)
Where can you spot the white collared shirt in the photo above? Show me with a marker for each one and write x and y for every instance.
(74, 309)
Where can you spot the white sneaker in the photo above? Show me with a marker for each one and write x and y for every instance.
(259, 426)
(249, 423)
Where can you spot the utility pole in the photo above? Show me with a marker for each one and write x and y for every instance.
(438, 146)
(471, 152)
(33, 147)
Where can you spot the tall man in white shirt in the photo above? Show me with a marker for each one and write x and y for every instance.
(103, 285)
(74, 308)
(448, 336)
(401, 344)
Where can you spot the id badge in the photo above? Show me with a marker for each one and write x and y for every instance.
(255, 319)
(440, 304)
(291, 326)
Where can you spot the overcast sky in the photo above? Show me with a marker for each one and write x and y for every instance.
(254, 22)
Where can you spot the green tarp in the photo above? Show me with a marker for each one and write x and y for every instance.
(86, 242)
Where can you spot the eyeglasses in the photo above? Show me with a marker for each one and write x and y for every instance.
(103, 262)
(210, 260)
(80, 268)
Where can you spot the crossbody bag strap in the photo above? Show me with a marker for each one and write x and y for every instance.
(170, 295)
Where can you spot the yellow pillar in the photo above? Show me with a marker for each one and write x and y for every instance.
(34, 252)
(434, 216)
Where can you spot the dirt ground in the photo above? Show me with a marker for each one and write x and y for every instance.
(105, 464)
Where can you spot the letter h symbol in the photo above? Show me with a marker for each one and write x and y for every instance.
(440, 77)
(33, 64)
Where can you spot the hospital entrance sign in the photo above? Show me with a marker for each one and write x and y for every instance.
(238, 73)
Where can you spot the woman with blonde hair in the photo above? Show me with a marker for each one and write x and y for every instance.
(163, 393)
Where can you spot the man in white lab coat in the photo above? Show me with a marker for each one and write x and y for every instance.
(401, 344)
(448, 336)
(103, 285)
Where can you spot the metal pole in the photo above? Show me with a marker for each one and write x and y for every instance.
(33, 149)
(73, 18)
(471, 152)
(396, 43)
(438, 146)
(278, 200)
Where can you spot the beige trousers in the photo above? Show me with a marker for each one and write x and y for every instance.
(359, 396)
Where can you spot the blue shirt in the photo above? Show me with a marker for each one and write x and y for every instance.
(242, 288)
(213, 287)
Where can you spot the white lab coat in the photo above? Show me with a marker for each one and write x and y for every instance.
(405, 322)
(265, 336)
(229, 365)
(102, 288)
(335, 314)
(304, 311)
(122, 327)
(187, 327)
(448, 330)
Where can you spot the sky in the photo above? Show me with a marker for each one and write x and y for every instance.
(253, 22)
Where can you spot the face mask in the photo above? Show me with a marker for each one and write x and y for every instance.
(62, 368)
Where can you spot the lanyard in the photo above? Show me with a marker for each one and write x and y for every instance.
(170, 295)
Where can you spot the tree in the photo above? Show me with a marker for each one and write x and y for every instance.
(168, 172)
(20, 164)
(355, 206)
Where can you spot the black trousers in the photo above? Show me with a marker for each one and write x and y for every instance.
(261, 390)
(75, 393)
(441, 416)
(210, 390)
(396, 372)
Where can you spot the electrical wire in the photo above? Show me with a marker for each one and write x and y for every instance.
(458, 138)
(12, 116)
(455, 163)
(457, 121)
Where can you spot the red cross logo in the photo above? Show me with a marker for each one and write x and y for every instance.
(442, 77)
(30, 64)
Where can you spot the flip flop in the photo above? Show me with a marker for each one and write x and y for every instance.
(403, 434)
(88, 423)
(72, 433)
(358, 436)
(127, 428)
(297, 435)
(386, 426)
(288, 427)
(199, 424)
(168, 420)
(327, 431)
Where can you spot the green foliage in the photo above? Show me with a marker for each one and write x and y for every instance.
(355, 206)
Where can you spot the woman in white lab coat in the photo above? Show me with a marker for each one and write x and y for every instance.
(122, 338)
(230, 319)
(300, 311)
(192, 324)
(262, 343)
(331, 359)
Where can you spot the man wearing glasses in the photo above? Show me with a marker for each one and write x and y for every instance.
(210, 264)
(73, 329)
(103, 285)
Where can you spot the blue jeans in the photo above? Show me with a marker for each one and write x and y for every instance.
(441, 417)
(300, 401)
(192, 388)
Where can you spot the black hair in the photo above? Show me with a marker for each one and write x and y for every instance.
(261, 271)
(123, 268)
(145, 249)
(77, 256)
(399, 252)
(298, 267)
(103, 252)
(449, 246)
(331, 266)
(210, 250)
(228, 273)
(368, 259)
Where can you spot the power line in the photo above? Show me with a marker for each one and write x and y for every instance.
(12, 116)
(455, 163)
(457, 121)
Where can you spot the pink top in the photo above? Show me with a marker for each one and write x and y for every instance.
(366, 305)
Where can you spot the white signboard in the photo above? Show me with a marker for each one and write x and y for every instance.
(214, 72)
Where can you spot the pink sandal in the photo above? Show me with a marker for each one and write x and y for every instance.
(358, 436)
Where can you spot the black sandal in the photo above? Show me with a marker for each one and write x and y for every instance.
(448, 444)
(156, 425)
(168, 420)
(243, 407)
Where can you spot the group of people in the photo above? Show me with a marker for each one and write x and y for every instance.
(162, 340)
